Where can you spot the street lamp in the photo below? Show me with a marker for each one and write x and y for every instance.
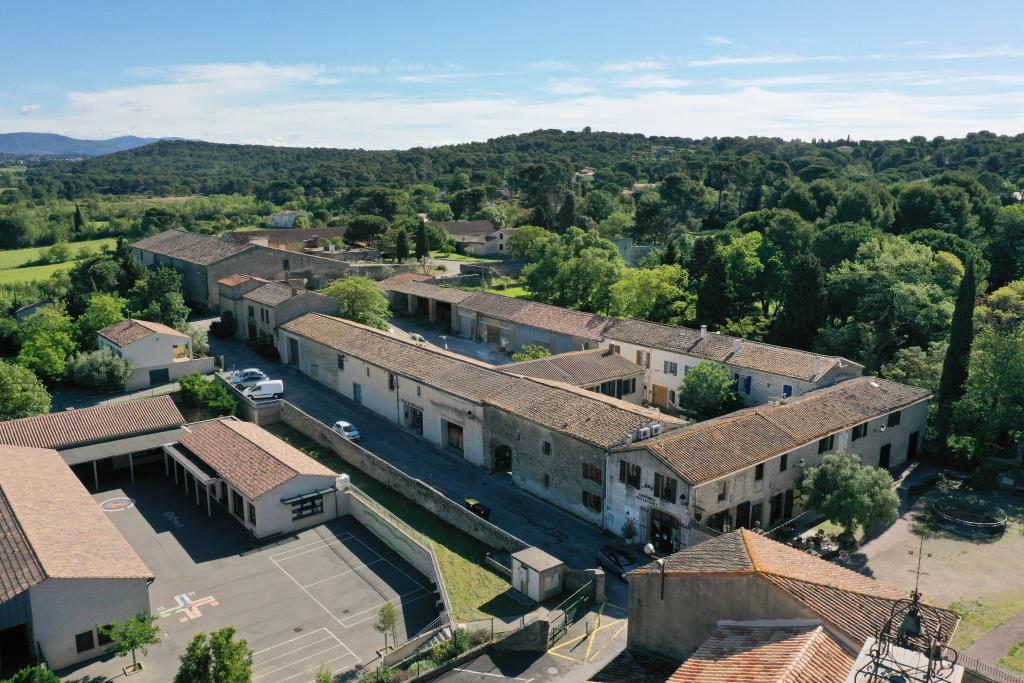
(649, 550)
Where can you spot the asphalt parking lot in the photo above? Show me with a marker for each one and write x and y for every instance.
(306, 600)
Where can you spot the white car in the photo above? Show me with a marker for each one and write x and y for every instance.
(247, 378)
(347, 430)
(418, 338)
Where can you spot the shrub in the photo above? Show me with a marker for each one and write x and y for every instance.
(22, 394)
(530, 352)
(199, 392)
(33, 674)
(200, 342)
(225, 327)
(100, 369)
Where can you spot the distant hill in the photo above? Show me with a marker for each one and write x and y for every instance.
(49, 144)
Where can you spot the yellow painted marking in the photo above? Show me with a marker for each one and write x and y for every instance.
(610, 640)
(588, 656)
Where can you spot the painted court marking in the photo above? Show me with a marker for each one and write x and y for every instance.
(350, 620)
(501, 676)
(307, 651)
(117, 504)
(187, 606)
(589, 654)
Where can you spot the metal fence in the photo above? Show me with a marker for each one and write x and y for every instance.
(986, 671)
(570, 611)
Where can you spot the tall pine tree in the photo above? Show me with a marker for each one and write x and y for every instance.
(958, 355)
(715, 293)
(79, 221)
(803, 306)
(422, 245)
(401, 246)
(567, 214)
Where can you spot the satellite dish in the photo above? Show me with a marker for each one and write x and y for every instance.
(649, 549)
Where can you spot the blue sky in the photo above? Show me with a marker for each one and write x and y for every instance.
(399, 74)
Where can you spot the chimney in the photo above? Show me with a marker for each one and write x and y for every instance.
(736, 345)
(817, 365)
(703, 331)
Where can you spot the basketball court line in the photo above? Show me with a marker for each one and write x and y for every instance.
(371, 612)
(321, 637)
(501, 676)
(321, 545)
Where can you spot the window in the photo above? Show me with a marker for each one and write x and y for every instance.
(759, 472)
(102, 638)
(629, 474)
(671, 396)
(783, 462)
(664, 487)
(894, 419)
(237, 505)
(392, 381)
(670, 368)
(747, 381)
(285, 264)
(308, 507)
(84, 641)
(545, 447)
(341, 361)
(860, 431)
(592, 501)
(252, 513)
(723, 490)
(593, 473)
(252, 312)
(547, 480)
(643, 359)
(615, 348)
(825, 445)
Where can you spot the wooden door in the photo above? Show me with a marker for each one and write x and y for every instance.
(660, 396)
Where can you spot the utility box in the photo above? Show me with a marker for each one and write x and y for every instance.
(536, 574)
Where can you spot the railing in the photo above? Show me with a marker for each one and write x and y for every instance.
(987, 671)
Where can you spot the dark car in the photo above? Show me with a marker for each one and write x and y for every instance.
(478, 508)
(617, 561)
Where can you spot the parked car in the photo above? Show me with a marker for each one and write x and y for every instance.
(347, 430)
(617, 561)
(478, 508)
(270, 388)
(247, 377)
(418, 338)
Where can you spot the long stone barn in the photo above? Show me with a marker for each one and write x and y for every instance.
(552, 437)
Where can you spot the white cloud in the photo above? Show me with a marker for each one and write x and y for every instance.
(553, 65)
(569, 86)
(978, 54)
(764, 59)
(776, 81)
(654, 82)
(28, 109)
(233, 72)
(641, 65)
(717, 40)
(328, 80)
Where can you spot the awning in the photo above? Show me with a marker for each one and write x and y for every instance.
(200, 470)
(307, 496)
(133, 444)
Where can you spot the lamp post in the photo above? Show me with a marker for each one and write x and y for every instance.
(649, 550)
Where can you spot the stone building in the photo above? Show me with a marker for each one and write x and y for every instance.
(597, 370)
(260, 306)
(479, 238)
(552, 437)
(743, 469)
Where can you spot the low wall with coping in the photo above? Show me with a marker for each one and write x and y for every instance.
(415, 490)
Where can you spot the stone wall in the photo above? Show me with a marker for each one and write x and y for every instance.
(415, 490)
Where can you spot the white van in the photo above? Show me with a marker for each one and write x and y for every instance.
(271, 388)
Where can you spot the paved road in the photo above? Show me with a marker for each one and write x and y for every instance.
(531, 519)
(451, 342)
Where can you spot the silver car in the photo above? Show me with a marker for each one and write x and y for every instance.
(249, 377)
(347, 430)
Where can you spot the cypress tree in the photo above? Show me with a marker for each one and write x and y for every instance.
(714, 295)
(567, 214)
(670, 256)
(422, 247)
(958, 355)
(401, 246)
(79, 220)
(803, 306)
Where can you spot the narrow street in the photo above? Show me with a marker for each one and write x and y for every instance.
(531, 519)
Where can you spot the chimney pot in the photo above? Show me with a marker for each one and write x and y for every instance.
(736, 345)
(703, 331)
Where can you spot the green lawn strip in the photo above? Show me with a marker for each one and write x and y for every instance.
(11, 275)
(476, 592)
(518, 292)
(978, 617)
(14, 258)
(1014, 660)
(461, 257)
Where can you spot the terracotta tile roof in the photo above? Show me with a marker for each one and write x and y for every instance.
(465, 228)
(249, 457)
(634, 666)
(88, 425)
(708, 450)
(234, 280)
(542, 316)
(579, 368)
(851, 603)
(52, 528)
(406, 277)
(770, 653)
(776, 360)
(201, 250)
(129, 331)
(582, 414)
(426, 290)
(271, 294)
(280, 235)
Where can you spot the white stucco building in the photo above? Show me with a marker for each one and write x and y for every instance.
(65, 567)
(269, 486)
(159, 354)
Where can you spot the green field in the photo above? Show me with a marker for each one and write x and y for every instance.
(461, 257)
(13, 268)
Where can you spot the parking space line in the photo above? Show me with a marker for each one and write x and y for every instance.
(292, 640)
(303, 589)
(324, 545)
(343, 537)
(348, 571)
(297, 661)
(331, 636)
(401, 599)
(502, 676)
